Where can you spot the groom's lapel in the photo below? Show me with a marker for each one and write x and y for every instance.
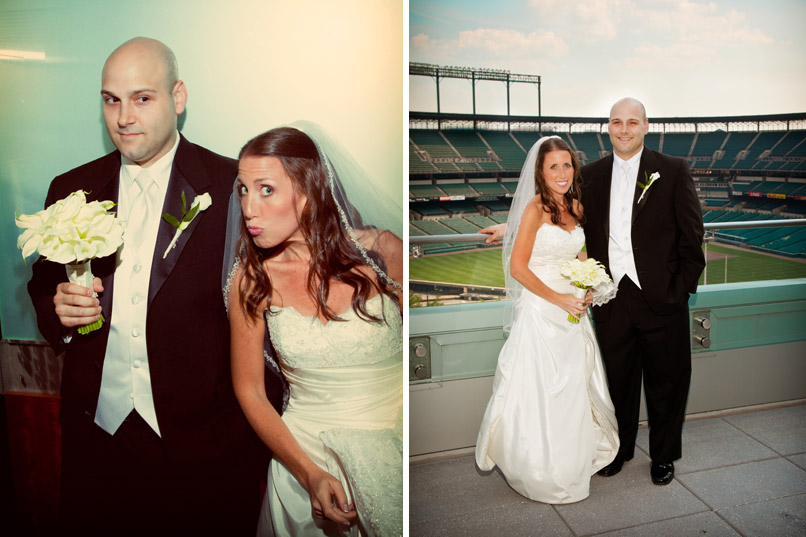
(606, 185)
(106, 188)
(190, 177)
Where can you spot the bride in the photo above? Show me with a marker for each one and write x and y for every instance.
(318, 267)
(550, 423)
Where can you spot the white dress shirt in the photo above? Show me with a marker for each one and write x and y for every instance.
(622, 193)
(126, 378)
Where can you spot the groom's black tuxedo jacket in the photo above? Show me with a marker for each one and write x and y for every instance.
(187, 327)
(667, 229)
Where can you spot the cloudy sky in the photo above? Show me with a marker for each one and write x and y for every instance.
(680, 57)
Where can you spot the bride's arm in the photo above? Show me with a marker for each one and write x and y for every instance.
(247, 362)
(390, 248)
(533, 217)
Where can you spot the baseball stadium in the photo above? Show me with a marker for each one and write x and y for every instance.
(747, 319)
(463, 171)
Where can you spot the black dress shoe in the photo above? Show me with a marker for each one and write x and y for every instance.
(662, 472)
(614, 467)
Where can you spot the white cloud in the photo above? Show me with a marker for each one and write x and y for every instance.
(586, 20)
(684, 56)
(512, 43)
(490, 44)
(703, 23)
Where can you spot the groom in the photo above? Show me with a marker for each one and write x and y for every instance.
(644, 223)
(153, 439)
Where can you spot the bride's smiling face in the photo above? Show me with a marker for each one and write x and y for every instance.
(269, 202)
(558, 172)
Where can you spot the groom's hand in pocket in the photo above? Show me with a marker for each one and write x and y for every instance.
(75, 304)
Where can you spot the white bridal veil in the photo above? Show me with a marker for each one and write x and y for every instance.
(361, 204)
(523, 195)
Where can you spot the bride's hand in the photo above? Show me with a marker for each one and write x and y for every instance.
(496, 232)
(573, 305)
(329, 500)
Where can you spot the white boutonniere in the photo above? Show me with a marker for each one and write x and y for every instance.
(200, 203)
(648, 182)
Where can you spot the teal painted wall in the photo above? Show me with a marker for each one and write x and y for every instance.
(249, 65)
(466, 338)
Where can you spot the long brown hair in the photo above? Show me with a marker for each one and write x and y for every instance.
(333, 254)
(541, 189)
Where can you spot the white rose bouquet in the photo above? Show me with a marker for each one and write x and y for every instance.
(72, 232)
(589, 274)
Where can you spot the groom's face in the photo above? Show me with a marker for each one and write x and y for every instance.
(627, 127)
(140, 103)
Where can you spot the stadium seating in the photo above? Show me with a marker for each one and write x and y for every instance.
(418, 165)
(588, 143)
(510, 185)
(481, 221)
(457, 189)
(488, 188)
(467, 143)
(736, 142)
(511, 155)
(459, 225)
(424, 190)
(708, 143)
(761, 143)
(651, 140)
(678, 143)
(739, 175)
(788, 142)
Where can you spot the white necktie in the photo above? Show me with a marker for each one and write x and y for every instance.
(140, 209)
(624, 190)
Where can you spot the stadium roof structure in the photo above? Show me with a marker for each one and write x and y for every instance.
(474, 74)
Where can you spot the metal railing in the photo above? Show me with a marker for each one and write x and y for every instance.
(709, 227)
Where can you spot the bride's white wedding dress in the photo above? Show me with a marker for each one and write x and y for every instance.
(550, 423)
(345, 411)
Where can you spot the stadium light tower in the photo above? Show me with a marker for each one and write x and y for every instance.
(473, 74)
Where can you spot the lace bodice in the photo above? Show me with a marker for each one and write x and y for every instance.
(307, 343)
(555, 246)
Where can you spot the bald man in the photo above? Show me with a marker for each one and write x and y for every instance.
(644, 223)
(153, 439)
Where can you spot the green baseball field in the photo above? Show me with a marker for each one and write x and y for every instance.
(483, 267)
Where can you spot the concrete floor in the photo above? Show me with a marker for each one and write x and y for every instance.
(740, 475)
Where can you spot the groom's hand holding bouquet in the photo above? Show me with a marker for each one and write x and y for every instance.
(74, 232)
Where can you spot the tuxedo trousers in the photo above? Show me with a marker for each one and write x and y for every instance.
(636, 344)
(125, 484)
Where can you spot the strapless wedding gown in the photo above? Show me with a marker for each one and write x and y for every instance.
(550, 423)
(345, 411)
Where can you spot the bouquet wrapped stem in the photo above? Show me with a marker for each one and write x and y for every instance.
(579, 291)
(81, 273)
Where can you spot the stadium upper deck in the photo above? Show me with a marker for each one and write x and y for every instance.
(464, 146)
